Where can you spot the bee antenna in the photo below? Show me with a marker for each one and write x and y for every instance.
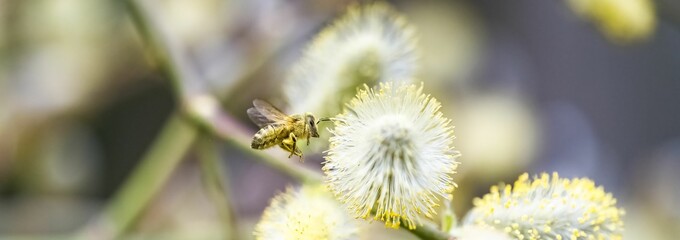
(323, 120)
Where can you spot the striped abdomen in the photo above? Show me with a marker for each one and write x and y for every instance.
(268, 136)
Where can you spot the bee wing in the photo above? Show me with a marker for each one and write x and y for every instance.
(264, 114)
(258, 118)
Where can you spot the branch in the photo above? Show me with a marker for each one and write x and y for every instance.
(146, 180)
(199, 105)
(205, 110)
(428, 232)
(216, 184)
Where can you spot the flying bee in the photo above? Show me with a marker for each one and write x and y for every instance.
(277, 128)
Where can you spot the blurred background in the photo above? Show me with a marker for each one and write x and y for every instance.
(531, 86)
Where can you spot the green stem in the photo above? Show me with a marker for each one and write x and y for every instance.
(449, 219)
(428, 232)
(216, 183)
(221, 124)
(184, 80)
(147, 179)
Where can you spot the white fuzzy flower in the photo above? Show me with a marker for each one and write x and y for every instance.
(369, 44)
(391, 155)
(549, 208)
(308, 213)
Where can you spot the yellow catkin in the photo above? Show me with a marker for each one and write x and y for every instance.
(622, 21)
(549, 207)
(307, 213)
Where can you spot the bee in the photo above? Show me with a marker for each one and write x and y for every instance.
(277, 128)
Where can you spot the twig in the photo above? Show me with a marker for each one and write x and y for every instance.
(205, 110)
(198, 104)
(216, 184)
(449, 219)
(147, 179)
(429, 232)
(159, 49)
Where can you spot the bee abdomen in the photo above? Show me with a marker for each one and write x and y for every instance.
(265, 138)
(256, 143)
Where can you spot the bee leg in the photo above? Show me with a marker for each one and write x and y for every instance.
(294, 149)
(286, 144)
(307, 139)
(299, 154)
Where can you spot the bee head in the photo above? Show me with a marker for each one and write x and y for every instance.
(310, 121)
